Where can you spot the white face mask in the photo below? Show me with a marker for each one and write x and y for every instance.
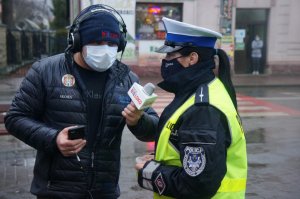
(100, 57)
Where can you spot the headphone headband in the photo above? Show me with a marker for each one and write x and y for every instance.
(98, 9)
(74, 37)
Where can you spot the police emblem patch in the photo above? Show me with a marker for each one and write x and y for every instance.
(68, 80)
(194, 160)
(160, 184)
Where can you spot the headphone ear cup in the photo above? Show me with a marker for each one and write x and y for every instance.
(123, 42)
(76, 42)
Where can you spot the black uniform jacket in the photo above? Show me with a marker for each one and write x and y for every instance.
(201, 126)
(44, 105)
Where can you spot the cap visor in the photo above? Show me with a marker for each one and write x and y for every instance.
(168, 49)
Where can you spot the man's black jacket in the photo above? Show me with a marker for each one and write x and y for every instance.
(43, 106)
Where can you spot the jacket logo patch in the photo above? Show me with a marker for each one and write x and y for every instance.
(93, 95)
(160, 184)
(68, 80)
(194, 160)
(124, 99)
(65, 96)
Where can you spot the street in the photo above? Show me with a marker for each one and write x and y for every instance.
(270, 117)
(273, 144)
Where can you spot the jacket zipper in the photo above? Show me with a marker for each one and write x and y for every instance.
(92, 159)
(82, 88)
(100, 128)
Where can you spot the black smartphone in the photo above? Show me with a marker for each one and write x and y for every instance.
(76, 132)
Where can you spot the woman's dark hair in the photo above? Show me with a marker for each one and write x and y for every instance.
(224, 75)
(224, 66)
(204, 53)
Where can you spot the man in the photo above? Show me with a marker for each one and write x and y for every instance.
(85, 86)
(256, 54)
(200, 148)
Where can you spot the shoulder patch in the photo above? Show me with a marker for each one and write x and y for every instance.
(194, 160)
(202, 94)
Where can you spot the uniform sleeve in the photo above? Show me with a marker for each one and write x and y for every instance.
(24, 118)
(203, 138)
(146, 128)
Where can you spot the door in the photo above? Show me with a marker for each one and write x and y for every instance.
(252, 22)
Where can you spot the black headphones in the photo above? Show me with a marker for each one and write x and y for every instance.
(74, 36)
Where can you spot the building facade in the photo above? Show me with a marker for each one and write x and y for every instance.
(274, 21)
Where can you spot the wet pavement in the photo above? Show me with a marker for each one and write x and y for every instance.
(17, 160)
(273, 157)
(272, 145)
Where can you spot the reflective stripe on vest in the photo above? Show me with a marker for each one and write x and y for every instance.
(233, 185)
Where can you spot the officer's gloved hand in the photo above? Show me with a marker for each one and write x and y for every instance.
(145, 174)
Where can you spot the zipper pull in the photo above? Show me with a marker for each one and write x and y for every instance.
(92, 159)
(109, 144)
(79, 161)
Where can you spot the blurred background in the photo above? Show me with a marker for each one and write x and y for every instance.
(268, 101)
(33, 29)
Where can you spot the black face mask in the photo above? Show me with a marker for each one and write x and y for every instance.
(170, 67)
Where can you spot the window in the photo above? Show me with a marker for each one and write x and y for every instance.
(149, 25)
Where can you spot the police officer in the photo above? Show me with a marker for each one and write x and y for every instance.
(200, 147)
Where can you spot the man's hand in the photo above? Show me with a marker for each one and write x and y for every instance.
(132, 114)
(68, 147)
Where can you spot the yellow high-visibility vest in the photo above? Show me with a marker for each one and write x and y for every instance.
(233, 185)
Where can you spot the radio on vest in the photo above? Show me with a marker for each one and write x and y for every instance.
(142, 97)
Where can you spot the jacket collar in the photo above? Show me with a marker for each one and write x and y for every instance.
(189, 79)
(118, 70)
